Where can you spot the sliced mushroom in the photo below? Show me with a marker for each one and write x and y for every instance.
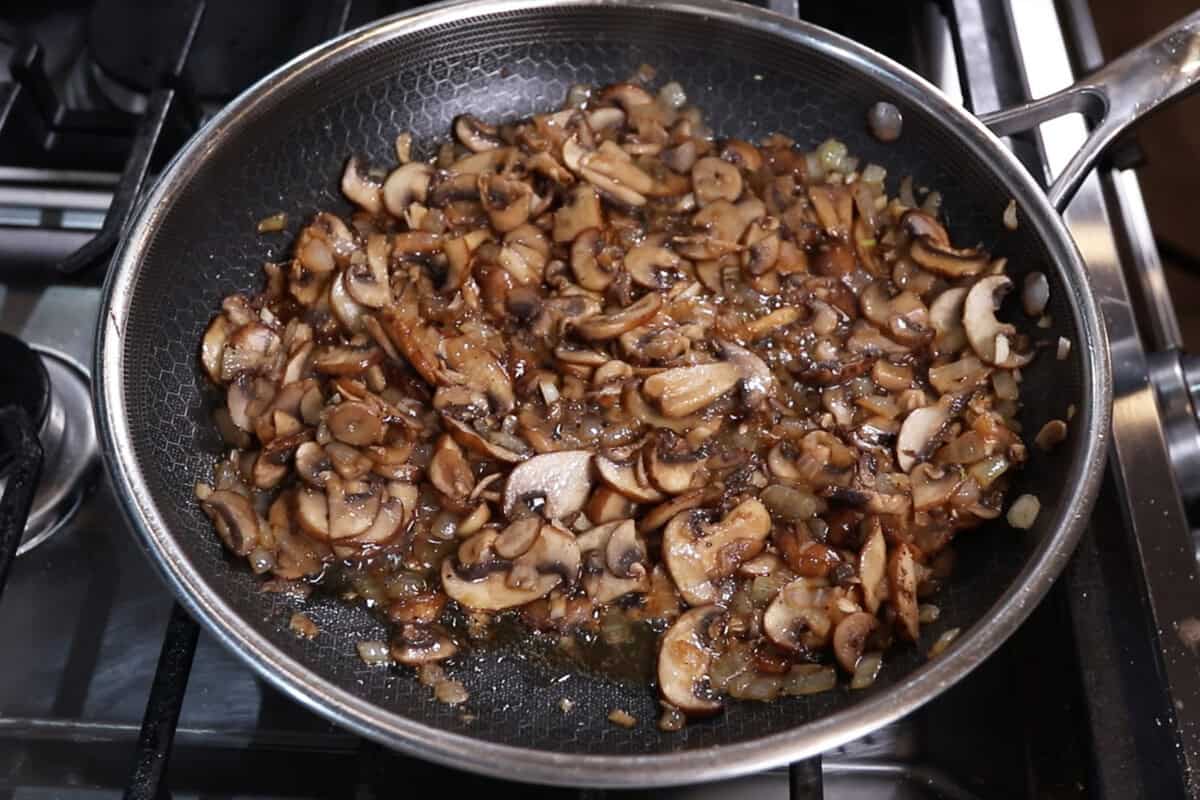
(653, 266)
(213, 345)
(918, 433)
(313, 464)
(602, 582)
(553, 558)
(623, 478)
(610, 326)
(355, 423)
(798, 617)
(421, 644)
(476, 136)
(555, 484)
(478, 442)
(699, 554)
(579, 212)
(406, 185)
(670, 466)
(959, 376)
(758, 384)
(990, 339)
(367, 281)
(449, 471)
(508, 202)
(850, 638)
(482, 369)
(394, 514)
(714, 179)
(234, 519)
(352, 506)
(591, 270)
(361, 188)
(685, 390)
(945, 260)
(518, 537)
(312, 513)
(902, 590)
(607, 505)
(685, 658)
(946, 316)
(872, 562)
(252, 349)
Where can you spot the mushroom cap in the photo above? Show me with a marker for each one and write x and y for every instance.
(989, 337)
(917, 431)
(850, 638)
(684, 658)
(697, 554)
(798, 617)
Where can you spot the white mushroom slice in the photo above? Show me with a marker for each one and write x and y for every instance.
(945, 260)
(449, 471)
(902, 590)
(758, 384)
(946, 315)
(561, 482)
(917, 432)
(553, 558)
(252, 349)
(360, 188)
(591, 271)
(234, 519)
(421, 644)
(698, 554)
(476, 136)
(482, 369)
(610, 326)
(478, 442)
(685, 390)
(600, 581)
(312, 513)
(213, 345)
(654, 266)
(393, 516)
(518, 537)
(798, 618)
(313, 464)
(244, 401)
(355, 423)
(670, 471)
(623, 478)
(990, 338)
(367, 281)
(685, 657)
(872, 562)
(353, 506)
(850, 638)
(579, 212)
(348, 312)
(714, 179)
(508, 202)
(406, 185)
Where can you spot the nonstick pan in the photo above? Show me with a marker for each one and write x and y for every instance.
(281, 146)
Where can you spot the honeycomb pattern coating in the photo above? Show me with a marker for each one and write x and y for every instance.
(288, 155)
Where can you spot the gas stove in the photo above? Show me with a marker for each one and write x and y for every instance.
(108, 688)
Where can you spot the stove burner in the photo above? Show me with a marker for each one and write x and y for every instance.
(24, 381)
(68, 436)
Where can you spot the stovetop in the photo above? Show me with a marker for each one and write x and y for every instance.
(1091, 698)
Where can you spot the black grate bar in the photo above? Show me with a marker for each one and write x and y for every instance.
(22, 453)
(148, 781)
(805, 779)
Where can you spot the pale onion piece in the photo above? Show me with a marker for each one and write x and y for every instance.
(1023, 512)
(374, 653)
(943, 642)
(1063, 349)
(805, 679)
(1035, 294)
(867, 670)
(272, 223)
(1052, 433)
(685, 657)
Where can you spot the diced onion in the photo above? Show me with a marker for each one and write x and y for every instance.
(943, 642)
(273, 224)
(928, 613)
(874, 174)
(1010, 215)
(867, 670)
(809, 679)
(1024, 511)
(374, 653)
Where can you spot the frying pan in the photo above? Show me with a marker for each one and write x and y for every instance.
(280, 147)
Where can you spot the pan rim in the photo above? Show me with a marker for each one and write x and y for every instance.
(976, 643)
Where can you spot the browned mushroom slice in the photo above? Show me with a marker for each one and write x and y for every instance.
(654, 266)
(345, 360)
(405, 185)
(421, 644)
(482, 369)
(298, 556)
(757, 382)
(919, 431)
(449, 471)
(607, 505)
(991, 339)
(360, 188)
(506, 200)
(233, 517)
(602, 582)
(636, 406)
(212, 346)
(946, 316)
(920, 224)
(959, 376)
(798, 618)
(252, 349)
(714, 179)
(313, 464)
(671, 466)
(355, 423)
(477, 442)
(902, 590)
(476, 136)
(623, 478)
(366, 281)
(699, 553)
(834, 206)
(945, 260)
(685, 657)
(517, 538)
(591, 271)
(872, 561)
(554, 484)
(353, 506)
(685, 390)
(312, 513)
(610, 326)
(850, 638)
(579, 212)
(489, 583)
(661, 514)
(347, 461)
(246, 399)
(421, 609)
(393, 516)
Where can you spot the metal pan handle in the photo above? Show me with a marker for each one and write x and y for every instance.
(1113, 98)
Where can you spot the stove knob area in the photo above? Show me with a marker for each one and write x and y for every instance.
(1175, 377)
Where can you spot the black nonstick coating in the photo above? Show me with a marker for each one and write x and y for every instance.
(288, 156)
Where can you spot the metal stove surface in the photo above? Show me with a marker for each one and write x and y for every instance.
(84, 613)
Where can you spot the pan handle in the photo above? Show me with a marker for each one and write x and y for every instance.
(1113, 98)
